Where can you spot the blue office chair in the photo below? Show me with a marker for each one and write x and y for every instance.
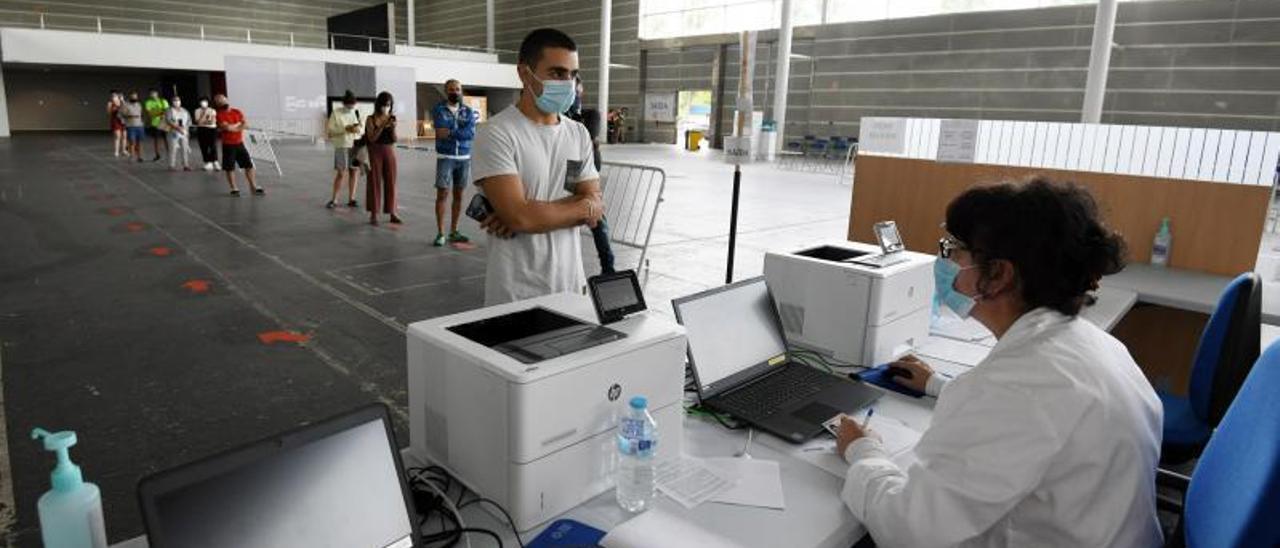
(1228, 346)
(1233, 497)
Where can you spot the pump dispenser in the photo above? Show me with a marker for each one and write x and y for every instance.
(71, 512)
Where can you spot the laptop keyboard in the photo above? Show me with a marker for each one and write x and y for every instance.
(767, 396)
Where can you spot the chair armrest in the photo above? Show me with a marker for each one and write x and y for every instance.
(1166, 480)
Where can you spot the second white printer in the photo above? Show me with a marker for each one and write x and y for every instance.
(862, 314)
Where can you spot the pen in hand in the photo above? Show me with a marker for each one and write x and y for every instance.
(867, 421)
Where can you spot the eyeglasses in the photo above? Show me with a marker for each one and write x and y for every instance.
(948, 245)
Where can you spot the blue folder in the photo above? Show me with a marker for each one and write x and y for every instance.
(567, 533)
(878, 376)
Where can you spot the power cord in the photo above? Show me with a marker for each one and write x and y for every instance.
(451, 534)
(510, 521)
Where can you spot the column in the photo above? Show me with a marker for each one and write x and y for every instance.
(606, 37)
(782, 84)
(488, 26)
(410, 18)
(4, 108)
(1095, 88)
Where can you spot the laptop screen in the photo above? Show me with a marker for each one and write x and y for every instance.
(339, 490)
(730, 329)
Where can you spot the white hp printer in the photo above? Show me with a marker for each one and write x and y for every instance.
(520, 401)
(858, 303)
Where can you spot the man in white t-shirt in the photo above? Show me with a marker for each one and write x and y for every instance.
(535, 167)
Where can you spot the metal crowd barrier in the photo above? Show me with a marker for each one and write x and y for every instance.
(632, 194)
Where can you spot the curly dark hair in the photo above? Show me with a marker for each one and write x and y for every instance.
(1050, 231)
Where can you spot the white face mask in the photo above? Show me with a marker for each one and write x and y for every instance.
(204, 104)
(386, 110)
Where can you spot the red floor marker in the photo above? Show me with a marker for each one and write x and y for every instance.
(463, 246)
(116, 211)
(160, 251)
(135, 226)
(272, 337)
(198, 287)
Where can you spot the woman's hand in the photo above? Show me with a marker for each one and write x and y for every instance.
(919, 373)
(850, 431)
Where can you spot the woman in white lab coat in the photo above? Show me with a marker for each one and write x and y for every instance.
(1053, 439)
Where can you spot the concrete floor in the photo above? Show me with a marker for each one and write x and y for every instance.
(108, 329)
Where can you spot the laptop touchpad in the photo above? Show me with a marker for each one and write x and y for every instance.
(815, 413)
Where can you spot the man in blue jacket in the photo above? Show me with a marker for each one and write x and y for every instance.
(455, 125)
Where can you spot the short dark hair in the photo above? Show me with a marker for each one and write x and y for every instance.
(452, 81)
(1052, 233)
(540, 39)
(348, 97)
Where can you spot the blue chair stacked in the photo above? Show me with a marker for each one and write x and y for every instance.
(1233, 497)
(1227, 349)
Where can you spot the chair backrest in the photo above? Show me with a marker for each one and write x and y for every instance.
(1234, 496)
(1227, 349)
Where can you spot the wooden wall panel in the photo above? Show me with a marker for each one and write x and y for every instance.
(1163, 342)
(1217, 227)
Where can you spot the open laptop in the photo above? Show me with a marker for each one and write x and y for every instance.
(335, 483)
(739, 359)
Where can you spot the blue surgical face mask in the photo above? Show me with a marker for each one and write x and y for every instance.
(945, 272)
(557, 96)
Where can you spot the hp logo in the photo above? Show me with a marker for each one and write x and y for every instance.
(615, 392)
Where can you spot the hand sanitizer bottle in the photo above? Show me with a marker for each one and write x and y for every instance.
(1160, 247)
(71, 512)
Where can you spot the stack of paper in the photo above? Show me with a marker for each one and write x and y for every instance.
(756, 482)
(689, 481)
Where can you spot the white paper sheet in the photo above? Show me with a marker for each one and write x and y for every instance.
(898, 439)
(689, 481)
(963, 353)
(658, 527)
(758, 482)
(947, 324)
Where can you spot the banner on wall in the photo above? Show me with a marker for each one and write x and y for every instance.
(957, 141)
(279, 96)
(883, 135)
(660, 107)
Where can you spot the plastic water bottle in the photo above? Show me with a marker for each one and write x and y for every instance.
(1160, 246)
(637, 442)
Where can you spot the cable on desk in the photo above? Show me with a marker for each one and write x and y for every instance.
(510, 521)
(457, 515)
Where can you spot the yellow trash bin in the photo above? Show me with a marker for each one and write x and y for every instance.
(693, 140)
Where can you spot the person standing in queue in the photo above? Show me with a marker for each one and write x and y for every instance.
(1054, 438)
(156, 107)
(534, 166)
(455, 126)
(380, 138)
(118, 141)
(131, 115)
(231, 126)
(206, 123)
(178, 120)
(344, 129)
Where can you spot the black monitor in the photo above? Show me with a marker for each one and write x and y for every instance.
(335, 483)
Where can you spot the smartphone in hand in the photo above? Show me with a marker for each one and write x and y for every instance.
(479, 208)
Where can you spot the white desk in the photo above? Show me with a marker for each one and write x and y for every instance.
(1186, 289)
(814, 515)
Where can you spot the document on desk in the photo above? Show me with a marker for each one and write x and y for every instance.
(948, 325)
(898, 440)
(658, 527)
(959, 352)
(690, 482)
(757, 482)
